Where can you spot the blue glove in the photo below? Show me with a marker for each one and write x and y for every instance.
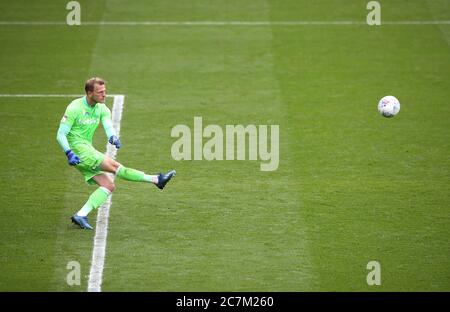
(115, 141)
(72, 158)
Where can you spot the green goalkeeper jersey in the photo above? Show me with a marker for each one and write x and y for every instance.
(83, 119)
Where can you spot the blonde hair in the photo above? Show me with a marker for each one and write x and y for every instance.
(90, 83)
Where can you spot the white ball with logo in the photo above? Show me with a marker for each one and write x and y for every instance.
(389, 106)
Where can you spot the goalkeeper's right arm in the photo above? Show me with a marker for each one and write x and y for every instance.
(61, 137)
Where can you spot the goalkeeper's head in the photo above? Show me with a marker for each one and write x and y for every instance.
(95, 89)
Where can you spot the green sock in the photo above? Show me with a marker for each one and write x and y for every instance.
(130, 174)
(95, 200)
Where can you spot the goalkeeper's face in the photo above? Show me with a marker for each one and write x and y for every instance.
(99, 93)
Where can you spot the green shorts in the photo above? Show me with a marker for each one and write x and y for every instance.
(91, 159)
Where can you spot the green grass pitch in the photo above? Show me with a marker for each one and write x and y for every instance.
(351, 186)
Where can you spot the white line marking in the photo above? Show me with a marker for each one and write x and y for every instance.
(49, 95)
(222, 23)
(101, 230)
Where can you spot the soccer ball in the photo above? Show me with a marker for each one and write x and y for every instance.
(389, 106)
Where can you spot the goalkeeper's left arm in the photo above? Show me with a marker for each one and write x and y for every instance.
(109, 129)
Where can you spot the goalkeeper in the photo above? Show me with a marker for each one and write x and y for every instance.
(75, 134)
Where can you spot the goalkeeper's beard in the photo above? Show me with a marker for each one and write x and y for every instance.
(99, 100)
